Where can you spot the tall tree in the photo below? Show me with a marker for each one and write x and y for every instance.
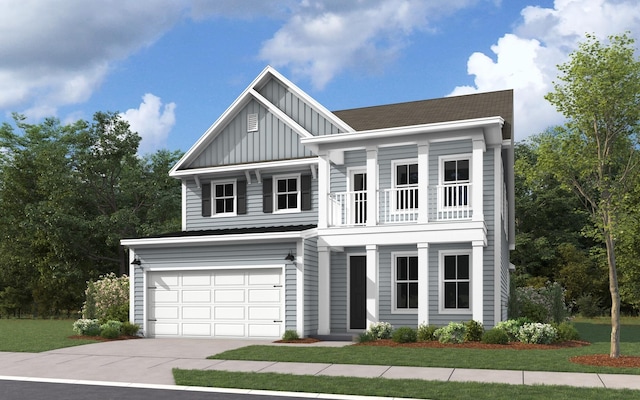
(596, 154)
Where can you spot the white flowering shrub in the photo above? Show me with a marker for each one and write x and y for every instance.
(107, 298)
(512, 327)
(452, 333)
(87, 327)
(537, 332)
(381, 330)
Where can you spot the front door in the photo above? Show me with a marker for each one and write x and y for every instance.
(357, 292)
(359, 203)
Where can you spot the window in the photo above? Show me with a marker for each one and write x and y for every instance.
(406, 184)
(455, 181)
(224, 197)
(287, 193)
(406, 282)
(456, 282)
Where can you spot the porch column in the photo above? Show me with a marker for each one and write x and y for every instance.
(299, 264)
(423, 182)
(477, 274)
(324, 290)
(423, 283)
(324, 166)
(372, 186)
(372, 284)
(477, 198)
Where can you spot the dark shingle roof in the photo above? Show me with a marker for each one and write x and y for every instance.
(234, 231)
(480, 105)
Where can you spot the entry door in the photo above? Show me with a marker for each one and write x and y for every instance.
(359, 203)
(358, 292)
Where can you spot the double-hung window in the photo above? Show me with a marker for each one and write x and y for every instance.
(406, 282)
(406, 185)
(456, 282)
(456, 181)
(287, 193)
(224, 197)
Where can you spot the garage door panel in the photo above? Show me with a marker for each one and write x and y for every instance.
(196, 313)
(229, 330)
(164, 281)
(228, 279)
(229, 313)
(264, 330)
(264, 313)
(164, 296)
(264, 278)
(203, 329)
(168, 312)
(196, 296)
(264, 295)
(166, 329)
(229, 296)
(196, 280)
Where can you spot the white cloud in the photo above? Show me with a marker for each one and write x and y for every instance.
(526, 59)
(152, 121)
(324, 38)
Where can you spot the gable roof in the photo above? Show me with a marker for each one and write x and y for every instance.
(455, 108)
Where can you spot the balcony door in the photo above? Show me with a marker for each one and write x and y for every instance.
(358, 203)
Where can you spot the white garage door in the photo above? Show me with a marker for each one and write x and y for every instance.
(221, 303)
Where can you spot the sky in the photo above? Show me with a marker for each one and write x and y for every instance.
(171, 68)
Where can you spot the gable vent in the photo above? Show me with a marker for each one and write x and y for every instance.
(252, 122)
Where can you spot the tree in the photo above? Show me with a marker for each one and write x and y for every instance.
(596, 153)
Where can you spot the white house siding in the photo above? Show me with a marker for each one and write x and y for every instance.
(305, 115)
(254, 216)
(310, 286)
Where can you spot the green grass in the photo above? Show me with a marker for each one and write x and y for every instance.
(37, 335)
(392, 387)
(508, 359)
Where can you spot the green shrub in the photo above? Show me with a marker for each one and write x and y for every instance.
(589, 306)
(365, 337)
(129, 329)
(452, 333)
(117, 312)
(512, 327)
(107, 298)
(381, 330)
(495, 336)
(425, 333)
(404, 334)
(87, 327)
(290, 334)
(110, 329)
(473, 331)
(566, 332)
(538, 333)
(544, 304)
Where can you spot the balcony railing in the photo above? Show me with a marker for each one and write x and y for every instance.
(400, 205)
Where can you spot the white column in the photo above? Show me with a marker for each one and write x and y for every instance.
(324, 186)
(477, 179)
(423, 283)
(497, 234)
(372, 284)
(477, 285)
(324, 290)
(423, 182)
(300, 288)
(372, 186)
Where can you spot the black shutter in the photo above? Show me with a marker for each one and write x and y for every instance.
(206, 199)
(305, 192)
(267, 195)
(241, 201)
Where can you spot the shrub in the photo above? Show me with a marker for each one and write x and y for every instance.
(495, 336)
(381, 330)
(425, 333)
(566, 332)
(87, 327)
(537, 332)
(107, 298)
(452, 333)
(473, 331)
(589, 306)
(290, 334)
(404, 334)
(512, 327)
(545, 304)
(110, 329)
(129, 329)
(366, 336)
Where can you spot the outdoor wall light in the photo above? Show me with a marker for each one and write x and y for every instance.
(290, 257)
(136, 261)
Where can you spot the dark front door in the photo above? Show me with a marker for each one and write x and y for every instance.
(357, 292)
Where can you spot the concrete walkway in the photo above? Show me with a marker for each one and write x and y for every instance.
(150, 362)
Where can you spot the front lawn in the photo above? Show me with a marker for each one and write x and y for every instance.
(37, 335)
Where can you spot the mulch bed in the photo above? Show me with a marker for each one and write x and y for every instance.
(298, 341)
(101, 339)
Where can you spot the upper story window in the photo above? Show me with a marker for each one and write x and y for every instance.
(287, 193)
(456, 281)
(406, 282)
(455, 177)
(224, 197)
(406, 184)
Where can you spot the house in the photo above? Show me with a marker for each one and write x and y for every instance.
(298, 218)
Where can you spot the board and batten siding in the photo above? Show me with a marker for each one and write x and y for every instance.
(273, 140)
(294, 107)
(254, 216)
(310, 246)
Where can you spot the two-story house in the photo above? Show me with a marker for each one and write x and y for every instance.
(296, 217)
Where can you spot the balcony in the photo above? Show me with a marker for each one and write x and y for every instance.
(400, 205)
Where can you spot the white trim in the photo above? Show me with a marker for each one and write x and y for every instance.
(275, 264)
(324, 290)
(498, 231)
(300, 289)
(394, 305)
(464, 311)
(212, 239)
(265, 165)
(215, 214)
(373, 282)
(394, 184)
(423, 283)
(184, 204)
(454, 157)
(351, 207)
(274, 191)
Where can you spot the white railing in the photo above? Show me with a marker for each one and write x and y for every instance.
(400, 205)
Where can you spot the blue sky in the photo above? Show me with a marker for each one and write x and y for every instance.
(173, 67)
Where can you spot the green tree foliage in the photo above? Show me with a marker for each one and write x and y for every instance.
(596, 153)
(68, 194)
